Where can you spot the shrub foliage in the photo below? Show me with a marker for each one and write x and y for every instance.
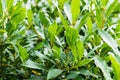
(59, 39)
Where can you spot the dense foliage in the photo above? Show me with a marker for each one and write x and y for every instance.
(59, 39)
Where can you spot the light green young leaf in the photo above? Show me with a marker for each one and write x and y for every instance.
(30, 15)
(80, 49)
(64, 21)
(18, 15)
(84, 62)
(89, 24)
(56, 51)
(1, 9)
(75, 9)
(99, 62)
(53, 73)
(110, 9)
(61, 2)
(104, 2)
(23, 53)
(71, 35)
(81, 22)
(109, 40)
(2, 31)
(115, 66)
(52, 29)
(67, 10)
(77, 50)
(74, 52)
(9, 4)
(99, 17)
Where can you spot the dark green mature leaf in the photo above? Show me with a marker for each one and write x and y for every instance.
(34, 65)
(74, 74)
(43, 19)
(103, 66)
(53, 73)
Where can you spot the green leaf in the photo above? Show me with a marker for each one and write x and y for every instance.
(104, 2)
(23, 53)
(61, 2)
(99, 16)
(77, 50)
(2, 31)
(81, 22)
(44, 57)
(30, 16)
(53, 73)
(43, 19)
(80, 49)
(1, 11)
(71, 35)
(38, 46)
(103, 66)
(110, 9)
(56, 51)
(18, 15)
(34, 65)
(64, 21)
(9, 4)
(16, 35)
(75, 9)
(115, 66)
(89, 24)
(74, 52)
(74, 74)
(109, 40)
(84, 62)
(67, 10)
(52, 29)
